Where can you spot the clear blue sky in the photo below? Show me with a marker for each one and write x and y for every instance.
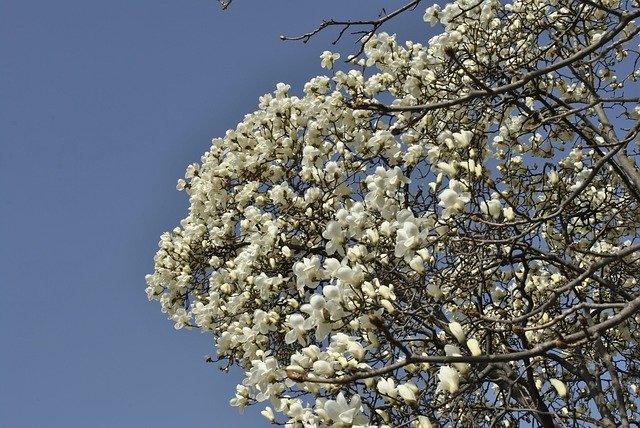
(103, 104)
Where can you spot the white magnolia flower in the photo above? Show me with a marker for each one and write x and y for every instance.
(417, 264)
(408, 239)
(387, 386)
(434, 291)
(454, 351)
(307, 272)
(317, 309)
(560, 387)
(268, 413)
(474, 347)
(242, 397)
(456, 329)
(342, 411)
(334, 233)
(407, 392)
(449, 379)
(448, 168)
(492, 207)
(453, 198)
(298, 329)
(323, 368)
(423, 422)
(462, 138)
(431, 14)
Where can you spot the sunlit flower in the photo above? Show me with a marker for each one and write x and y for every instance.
(387, 386)
(423, 422)
(560, 387)
(456, 329)
(453, 198)
(474, 347)
(328, 59)
(431, 14)
(449, 379)
(342, 411)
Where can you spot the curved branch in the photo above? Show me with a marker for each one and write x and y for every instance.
(540, 349)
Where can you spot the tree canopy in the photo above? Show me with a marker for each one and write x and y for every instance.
(441, 232)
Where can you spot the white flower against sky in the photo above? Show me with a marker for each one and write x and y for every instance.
(449, 379)
(474, 347)
(457, 331)
(431, 14)
(307, 272)
(492, 207)
(319, 315)
(408, 392)
(328, 59)
(454, 198)
(268, 413)
(423, 422)
(334, 233)
(241, 398)
(560, 387)
(454, 351)
(340, 411)
(408, 239)
(298, 327)
(434, 291)
(323, 368)
(387, 387)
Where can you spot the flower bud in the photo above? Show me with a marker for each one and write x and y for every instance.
(457, 331)
(474, 347)
(560, 387)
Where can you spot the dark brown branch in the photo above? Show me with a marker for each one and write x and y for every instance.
(374, 25)
(472, 95)
(540, 349)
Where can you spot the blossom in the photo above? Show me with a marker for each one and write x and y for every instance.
(474, 347)
(434, 291)
(417, 264)
(328, 59)
(407, 239)
(423, 422)
(431, 14)
(462, 138)
(449, 379)
(453, 198)
(241, 398)
(298, 329)
(323, 368)
(454, 351)
(268, 413)
(492, 207)
(342, 411)
(334, 233)
(387, 387)
(319, 311)
(560, 387)
(456, 330)
(307, 272)
(408, 392)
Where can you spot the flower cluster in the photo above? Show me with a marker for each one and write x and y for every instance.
(360, 259)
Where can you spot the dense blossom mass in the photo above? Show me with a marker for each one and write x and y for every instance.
(445, 234)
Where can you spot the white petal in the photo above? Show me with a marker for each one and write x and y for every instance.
(449, 379)
(474, 347)
(457, 331)
(560, 387)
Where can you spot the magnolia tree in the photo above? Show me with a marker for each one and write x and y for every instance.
(447, 233)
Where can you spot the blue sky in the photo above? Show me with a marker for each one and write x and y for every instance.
(103, 104)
